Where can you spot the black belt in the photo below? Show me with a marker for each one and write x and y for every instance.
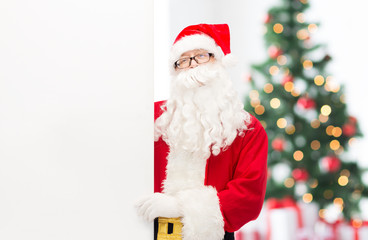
(228, 236)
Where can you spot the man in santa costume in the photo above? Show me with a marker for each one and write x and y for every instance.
(210, 154)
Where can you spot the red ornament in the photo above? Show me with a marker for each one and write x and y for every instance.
(274, 52)
(352, 120)
(278, 144)
(287, 78)
(300, 174)
(306, 103)
(327, 58)
(349, 129)
(330, 164)
(268, 18)
(247, 78)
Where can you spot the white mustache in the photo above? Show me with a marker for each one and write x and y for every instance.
(192, 81)
(197, 77)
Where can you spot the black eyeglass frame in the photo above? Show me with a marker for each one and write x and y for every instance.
(193, 58)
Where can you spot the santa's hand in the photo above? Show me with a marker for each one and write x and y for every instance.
(158, 205)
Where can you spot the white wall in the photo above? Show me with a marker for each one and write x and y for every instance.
(161, 49)
(76, 140)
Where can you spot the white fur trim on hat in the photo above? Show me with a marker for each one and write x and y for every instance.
(202, 218)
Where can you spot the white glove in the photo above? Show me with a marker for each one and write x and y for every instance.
(158, 205)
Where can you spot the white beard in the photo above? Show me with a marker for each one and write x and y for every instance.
(203, 113)
(203, 116)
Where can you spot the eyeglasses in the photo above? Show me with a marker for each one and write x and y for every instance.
(187, 61)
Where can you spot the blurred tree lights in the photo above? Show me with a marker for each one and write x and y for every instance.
(305, 115)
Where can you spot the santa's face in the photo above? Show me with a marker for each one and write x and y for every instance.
(203, 112)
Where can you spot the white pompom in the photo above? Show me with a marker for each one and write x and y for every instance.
(229, 60)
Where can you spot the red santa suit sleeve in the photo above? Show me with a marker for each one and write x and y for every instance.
(242, 199)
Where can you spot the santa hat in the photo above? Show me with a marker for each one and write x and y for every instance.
(215, 38)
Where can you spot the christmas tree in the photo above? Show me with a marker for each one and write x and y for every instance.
(305, 116)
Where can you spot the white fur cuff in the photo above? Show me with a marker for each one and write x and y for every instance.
(202, 217)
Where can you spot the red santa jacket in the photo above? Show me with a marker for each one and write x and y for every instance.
(239, 174)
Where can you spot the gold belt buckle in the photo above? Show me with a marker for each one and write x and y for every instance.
(169, 229)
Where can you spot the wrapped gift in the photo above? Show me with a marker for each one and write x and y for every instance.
(284, 219)
(250, 231)
(309, 212)
(247, 235)
(354, 230)
(325, 230)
